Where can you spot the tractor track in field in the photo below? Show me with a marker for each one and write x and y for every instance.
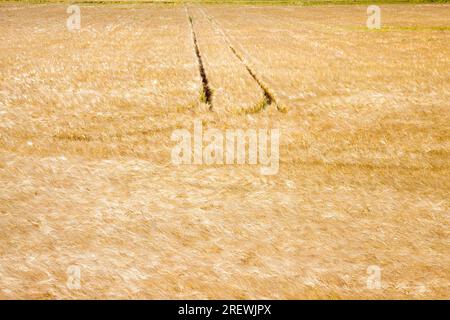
(268, 95)
(206, 95)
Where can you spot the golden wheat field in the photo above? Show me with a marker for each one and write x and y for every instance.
(87, 182)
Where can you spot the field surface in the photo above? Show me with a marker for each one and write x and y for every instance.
(86, 178)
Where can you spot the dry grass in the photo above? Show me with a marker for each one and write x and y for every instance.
(85, 169)
(233, 87)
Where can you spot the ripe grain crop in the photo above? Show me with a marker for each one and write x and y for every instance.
(86, 177)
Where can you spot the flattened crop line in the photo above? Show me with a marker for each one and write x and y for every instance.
(206, 95)
(268, 96)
